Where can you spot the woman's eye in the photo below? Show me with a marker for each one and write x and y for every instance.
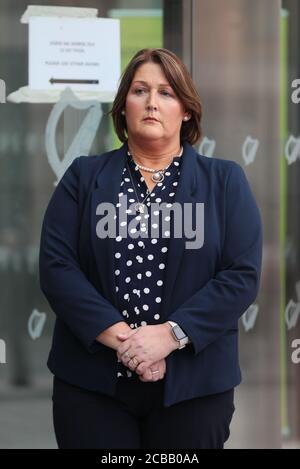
(138, 90)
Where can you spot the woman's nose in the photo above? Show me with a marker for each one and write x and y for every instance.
(151, 107)
(151, 104)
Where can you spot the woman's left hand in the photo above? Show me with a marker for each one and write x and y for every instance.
(156, 372)
(145, 346)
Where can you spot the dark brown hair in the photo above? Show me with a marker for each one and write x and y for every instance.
(181, 82)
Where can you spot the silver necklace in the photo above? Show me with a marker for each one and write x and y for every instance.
(139, 206)
(158, 174)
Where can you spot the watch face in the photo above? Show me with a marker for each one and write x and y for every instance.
(179, 333)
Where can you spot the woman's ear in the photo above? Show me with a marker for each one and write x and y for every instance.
(187, 116)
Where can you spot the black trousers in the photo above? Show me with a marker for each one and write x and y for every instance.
(136, 418)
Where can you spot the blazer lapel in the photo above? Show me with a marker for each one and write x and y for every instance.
(107, 189)
(185, 193)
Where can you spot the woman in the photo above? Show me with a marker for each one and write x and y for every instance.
(144, 351)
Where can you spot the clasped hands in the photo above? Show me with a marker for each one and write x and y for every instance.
(143, 350)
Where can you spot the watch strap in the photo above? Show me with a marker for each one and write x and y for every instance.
(182, 342)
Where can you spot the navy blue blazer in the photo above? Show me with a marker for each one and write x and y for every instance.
(206, 290)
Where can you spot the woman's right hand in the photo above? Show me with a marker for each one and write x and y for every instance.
(160, 366)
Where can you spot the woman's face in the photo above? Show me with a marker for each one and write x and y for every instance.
(150, 95)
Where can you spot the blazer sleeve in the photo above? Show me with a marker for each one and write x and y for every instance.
(70, 294)
(216, 308)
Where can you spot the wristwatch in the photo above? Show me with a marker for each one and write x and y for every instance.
(179, 334)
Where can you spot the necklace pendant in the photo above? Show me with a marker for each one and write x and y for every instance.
(157, 177)
(140, 207)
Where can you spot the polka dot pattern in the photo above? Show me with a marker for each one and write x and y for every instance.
(140, 260)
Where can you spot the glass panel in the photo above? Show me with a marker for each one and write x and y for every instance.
(289, 227)
(235, 63)
(26, 183)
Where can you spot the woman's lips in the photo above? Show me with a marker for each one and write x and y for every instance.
(149, 119)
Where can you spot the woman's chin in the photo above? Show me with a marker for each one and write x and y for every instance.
(149, 134)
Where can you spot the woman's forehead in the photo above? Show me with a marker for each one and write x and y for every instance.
(148, 72)
(148, 83)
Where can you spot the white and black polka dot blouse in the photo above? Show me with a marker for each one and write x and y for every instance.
(140, 262)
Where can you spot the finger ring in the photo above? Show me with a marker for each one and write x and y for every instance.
(127, 355)
(135, 361)
(153, 372)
